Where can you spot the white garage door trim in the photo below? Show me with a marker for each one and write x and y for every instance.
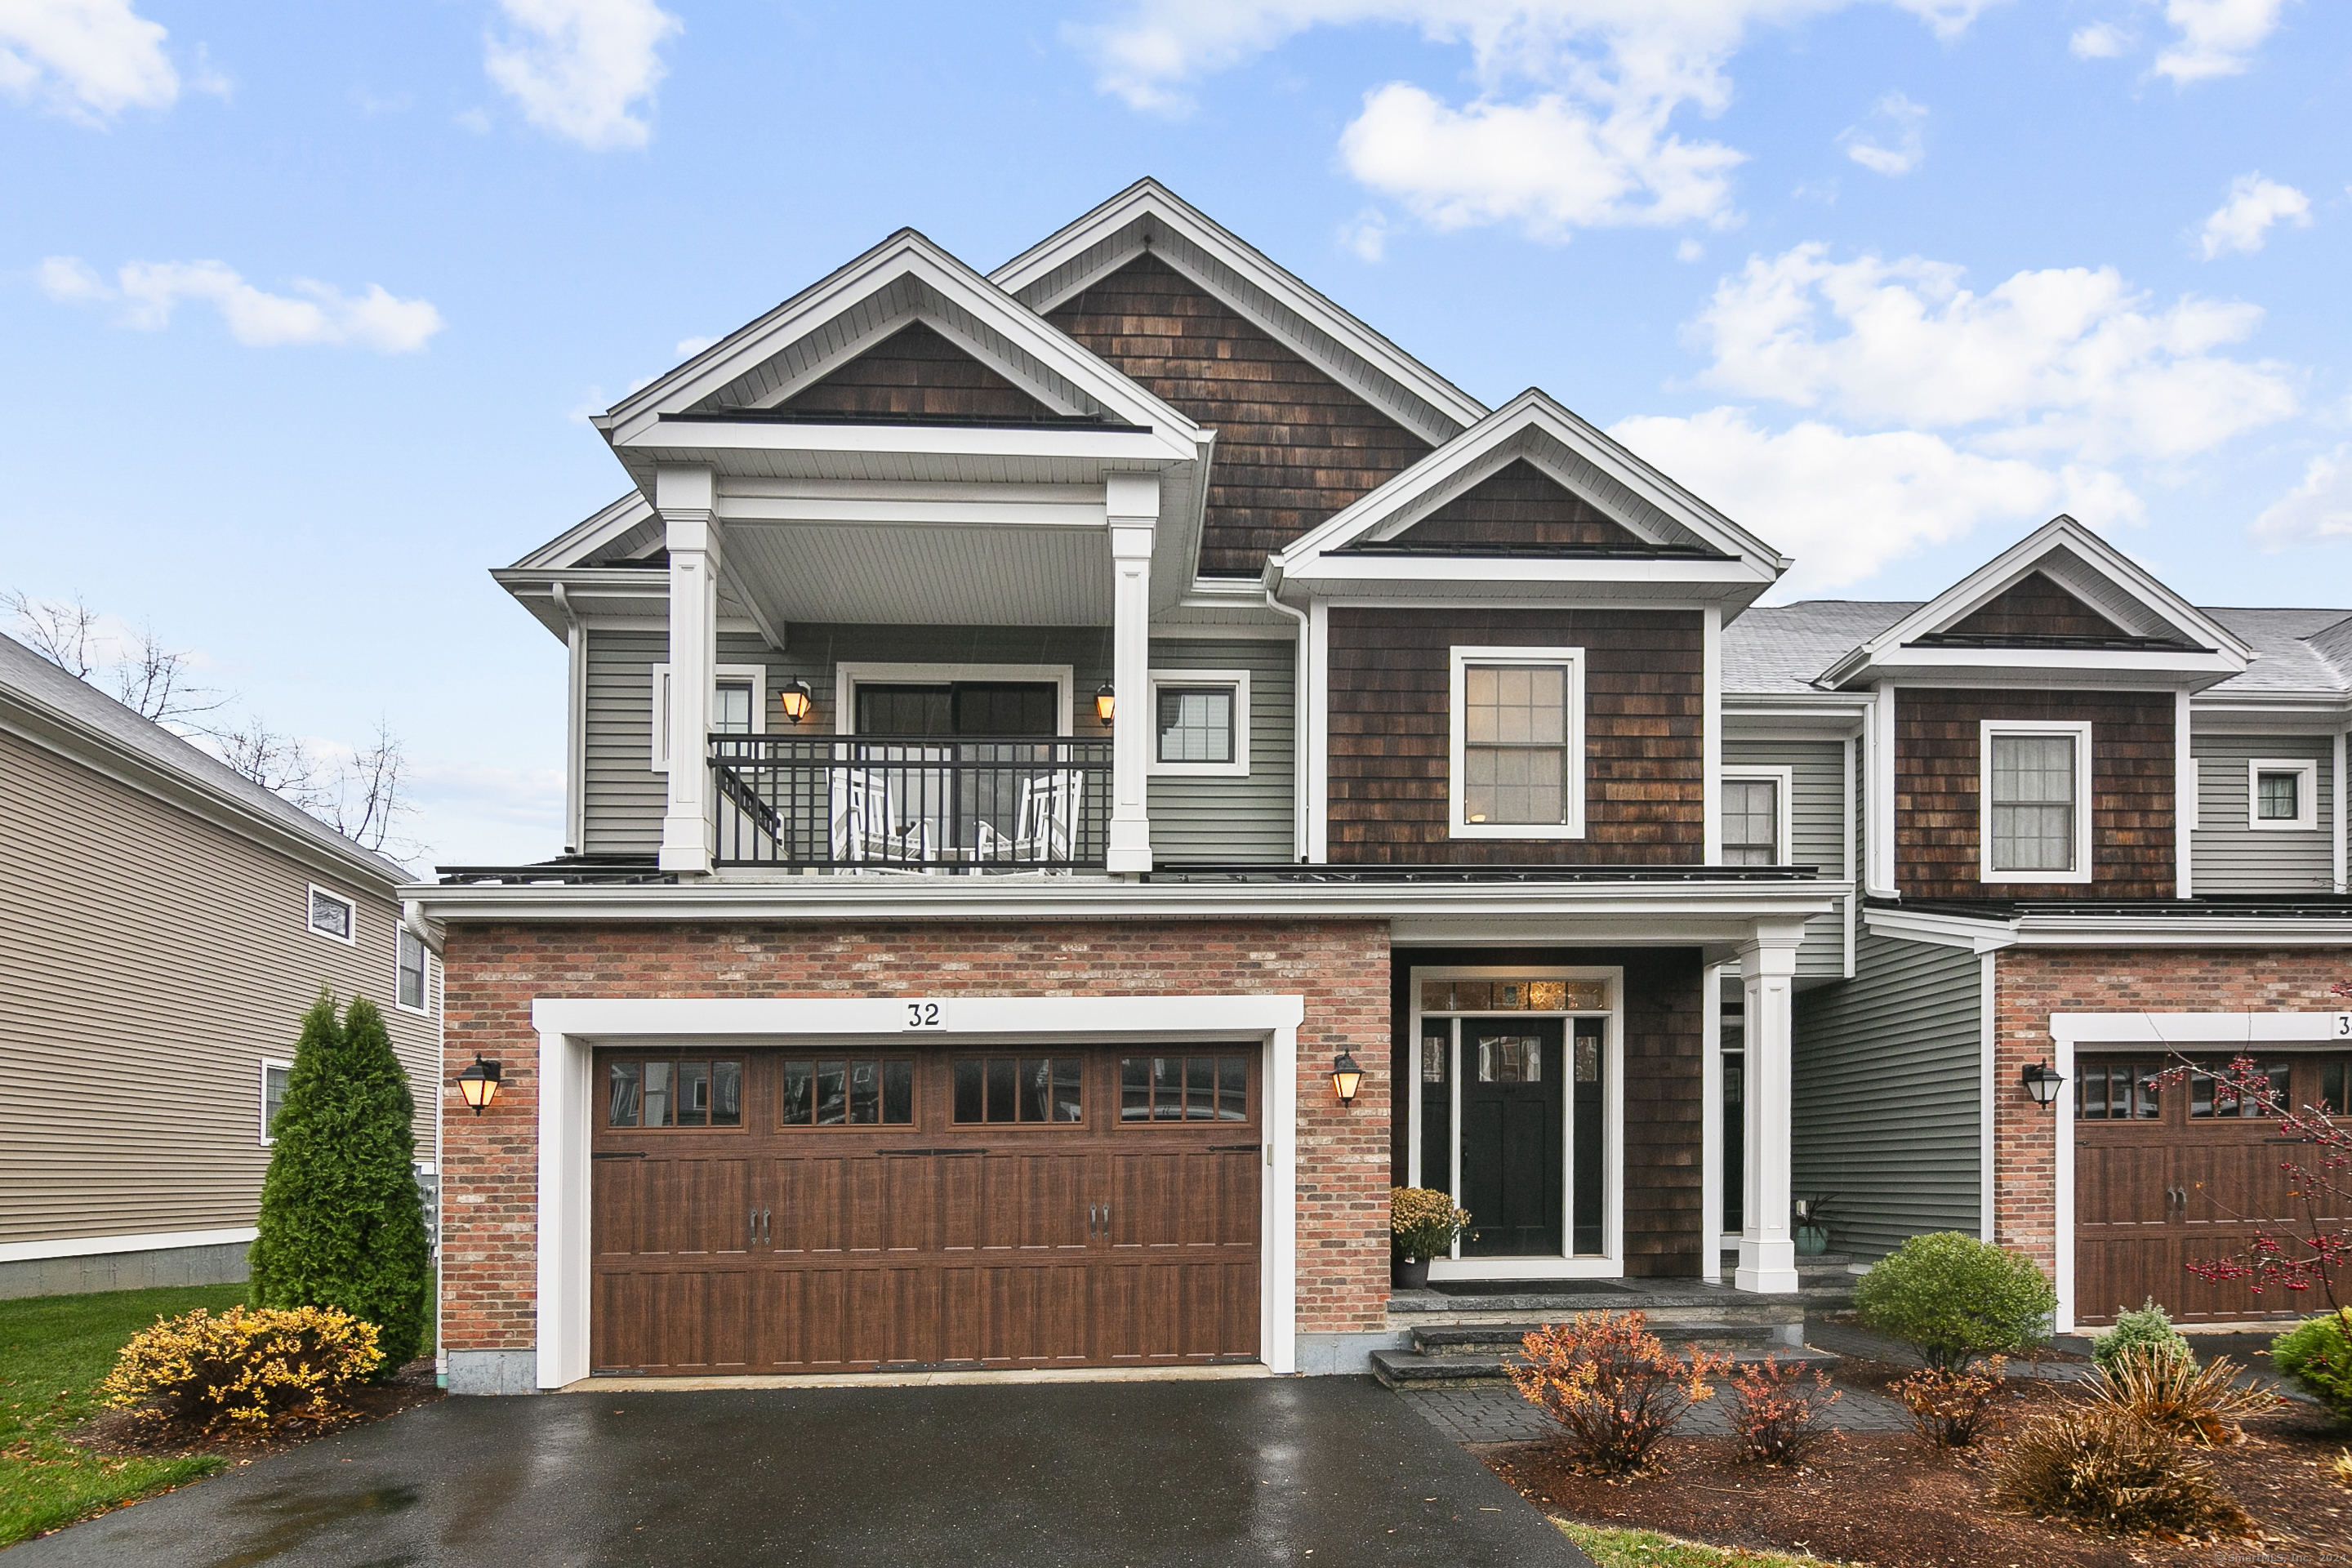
(2169, 1031)
(570, 1030)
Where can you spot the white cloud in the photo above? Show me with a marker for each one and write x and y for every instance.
(2099, 41)
(1895, 117)
(1367, 233)
(2244, 222)
(2215, 37)
(86, 59)
(689, 347)
(1590, 145)
(579, 68)
(315, 313)
(2320, 508)
(1546, 164)
(2070, 360)
(1689, 249)
(1846, 505)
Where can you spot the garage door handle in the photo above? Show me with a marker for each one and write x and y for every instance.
(767, 1227)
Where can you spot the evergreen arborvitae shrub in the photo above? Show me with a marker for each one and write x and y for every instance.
(342, 1224)
(1955, 1298)
(2146, 1332)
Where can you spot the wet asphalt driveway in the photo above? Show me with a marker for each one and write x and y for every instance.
(1299, 1471)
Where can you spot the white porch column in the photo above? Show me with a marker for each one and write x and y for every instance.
(1768, 967)
(687, 497)
(1132, 502)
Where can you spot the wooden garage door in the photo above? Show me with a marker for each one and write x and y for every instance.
(811, 1212)
(2183, 1175)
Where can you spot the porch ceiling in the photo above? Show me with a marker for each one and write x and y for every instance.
(932, 575)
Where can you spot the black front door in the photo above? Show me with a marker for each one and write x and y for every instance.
(1514, 1089)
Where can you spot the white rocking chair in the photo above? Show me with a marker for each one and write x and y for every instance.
(1044, 822)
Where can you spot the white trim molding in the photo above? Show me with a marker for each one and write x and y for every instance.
(1784, 783)
(569, 1029)
(1458, 661)
(350, 937)
(100, 1246)
(757, 674)
(1235, 680)
(2079, 732)
(2306, 795)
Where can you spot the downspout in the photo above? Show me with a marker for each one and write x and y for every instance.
(576, 738)
(1301, 730)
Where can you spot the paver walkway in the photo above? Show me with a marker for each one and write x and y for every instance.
(1147, 1475)
(1494, 1413)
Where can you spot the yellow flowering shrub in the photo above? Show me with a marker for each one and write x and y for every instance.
(244, 1369)
(1423, 1221)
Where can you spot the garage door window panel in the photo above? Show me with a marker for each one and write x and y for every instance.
(671, 1094)
(1183, 1088)
(1020, 1090)
(841, 1092)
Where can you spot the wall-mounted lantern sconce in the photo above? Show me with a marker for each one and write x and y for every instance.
(1105, 699)
(2043, 1082)
(1346, 1079)
(479, 1083)
(796, 700)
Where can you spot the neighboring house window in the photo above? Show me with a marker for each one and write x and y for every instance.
(2036, 788)
(1200, 721)
(1518, 722)
(332, 915)
(414, 990)
(2282, 793)
(739, 705)
(273, 1094)
(1756, 807)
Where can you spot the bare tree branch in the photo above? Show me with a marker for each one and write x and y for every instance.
(57, 631)
(152, 681)
(279, 763)
(367, 801)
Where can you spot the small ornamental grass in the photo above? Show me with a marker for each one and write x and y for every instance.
(1423, 1222)
(1612, 1387)
(1778, 1417)
(2099, 1465)
(1951, 1409)
(2176, 1396)
(246, 1370)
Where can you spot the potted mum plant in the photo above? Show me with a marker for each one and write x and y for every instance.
(1423, 1224)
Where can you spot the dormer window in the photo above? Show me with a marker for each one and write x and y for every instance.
(1518, 722)
(2036, 784)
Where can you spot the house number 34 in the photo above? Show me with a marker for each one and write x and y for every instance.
(924, 1016)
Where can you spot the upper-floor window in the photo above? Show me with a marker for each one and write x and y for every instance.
(1518, 752)
(739, 701)
(1200, 721)
(2036, 791)
(2282, 793)
(332, 915)
(413, 991)
(1756, 817)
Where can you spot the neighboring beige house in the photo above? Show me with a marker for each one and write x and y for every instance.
(163, 923)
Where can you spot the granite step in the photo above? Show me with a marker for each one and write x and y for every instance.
(1470, 1368)
(1498, 1339)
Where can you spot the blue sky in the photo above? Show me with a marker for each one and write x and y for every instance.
(303, 305)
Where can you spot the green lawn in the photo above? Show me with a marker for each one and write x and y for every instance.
(1646, 1549)
(53, 1351)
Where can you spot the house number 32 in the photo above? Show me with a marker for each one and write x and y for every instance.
(924, 1016)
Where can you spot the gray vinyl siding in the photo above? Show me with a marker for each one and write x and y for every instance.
(622, 796)
(2228, 857)
(1253, 818)
(150, 959)
(1886, 1097)
(1816, 830)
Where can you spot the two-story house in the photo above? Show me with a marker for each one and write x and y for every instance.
(1083, 776)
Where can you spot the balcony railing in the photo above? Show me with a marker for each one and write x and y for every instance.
(970, 803)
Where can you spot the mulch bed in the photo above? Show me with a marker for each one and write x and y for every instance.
(122, 1432)
(1886, 1498)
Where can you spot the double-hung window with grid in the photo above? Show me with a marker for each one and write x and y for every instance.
(1517, 764)
(2036, 822)
(1751, 822)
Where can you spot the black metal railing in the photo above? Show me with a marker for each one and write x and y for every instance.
(966, 803)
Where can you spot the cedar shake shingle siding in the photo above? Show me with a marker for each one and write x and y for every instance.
(916, 370)
(2036, 607)
(1937, 786)
(1644, 764)
(1518, 504)
(1293, 445)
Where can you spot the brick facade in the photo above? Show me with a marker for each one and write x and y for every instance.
(2030, 984)
(494, 972)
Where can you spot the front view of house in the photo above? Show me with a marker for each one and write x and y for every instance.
(1082, 777)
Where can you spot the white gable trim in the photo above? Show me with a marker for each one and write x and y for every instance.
(1147, 216)
(1044, 389)
(591, 534)
(2093, 570)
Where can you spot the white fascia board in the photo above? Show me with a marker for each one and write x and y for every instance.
(906, 254)
(591, 534)
(1419, 575)
(1010, 511)
(1966, 666)
(1972, 592)
(1147, 202)
(682, 440)
(592, 590)
(2162, 931)
(1838, 711)
(2269, 713)
(917, 897)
